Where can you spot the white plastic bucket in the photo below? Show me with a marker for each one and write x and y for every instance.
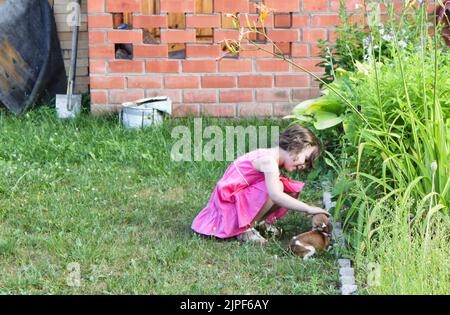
(145, 112)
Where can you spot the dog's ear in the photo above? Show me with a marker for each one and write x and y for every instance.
(329, 227)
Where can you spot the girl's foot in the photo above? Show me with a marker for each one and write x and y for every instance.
(269, 228)
(253, 236)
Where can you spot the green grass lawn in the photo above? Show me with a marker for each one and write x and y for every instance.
(88, 191)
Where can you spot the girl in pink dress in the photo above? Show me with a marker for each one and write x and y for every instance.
(252, 193)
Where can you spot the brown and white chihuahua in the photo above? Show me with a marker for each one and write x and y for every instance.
(319, 239)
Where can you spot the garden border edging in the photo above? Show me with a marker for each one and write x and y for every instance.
(346, 271)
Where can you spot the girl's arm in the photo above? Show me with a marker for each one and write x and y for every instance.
(269, 166)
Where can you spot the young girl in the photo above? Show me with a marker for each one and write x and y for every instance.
(253, 193)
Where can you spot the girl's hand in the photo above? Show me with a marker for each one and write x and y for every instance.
(317, 210)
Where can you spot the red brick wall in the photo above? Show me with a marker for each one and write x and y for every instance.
(252, 85)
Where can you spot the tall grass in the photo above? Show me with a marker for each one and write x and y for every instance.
(402, 220)
(399, 126)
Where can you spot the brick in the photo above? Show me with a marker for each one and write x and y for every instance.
(299, 50)
(255, 110)
(178, 36)
(235, 65)
(162, 66)
(283, 6)
(122, 96)
(324, 20)
(126, 66)
(272, 65)
(101, 51)
(196, 66)
(313, 35)
(104, 82)
(99, 97)
(347, 271)
(197, 96)
(175, 95)
(255, 81)
(100, 21)
(182, 82)
(285, 35)
(344, 263)
(272, 95)
(300, 20)
(283, 109)
(308, 64)
(183, 110)
(150, 21)
(227, 6)
(125, 36)
(97, 37)
(145, 82)
(178, 6)
(215, 82)
(282, 20)
(220, 35)
(315, 6)
(96, 6)
(219, 110)
(304, 94)
(347, 280)
(349, 289)
(102, 109)
(236, 96)
(250, 51)
(97, 66)
(203, 21)
(314, 51)
(150, 51)
(197, 51)
(292, 80)
(123, 5)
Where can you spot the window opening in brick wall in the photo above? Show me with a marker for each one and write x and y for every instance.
(152, 36)
(122, 21)
(282, 20)
(150, 7)
(204, 6)
(177, 51)
(124, 51)
(204, 35)
(176, 20)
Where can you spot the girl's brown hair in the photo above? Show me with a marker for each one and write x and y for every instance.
(296, 138)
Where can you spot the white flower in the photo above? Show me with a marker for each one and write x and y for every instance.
(387, 37)
(402, 44)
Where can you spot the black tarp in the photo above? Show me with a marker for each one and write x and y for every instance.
(31, 63)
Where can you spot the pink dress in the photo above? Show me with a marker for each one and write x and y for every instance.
(238, 197)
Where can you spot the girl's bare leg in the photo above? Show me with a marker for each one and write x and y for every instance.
(268, 208)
